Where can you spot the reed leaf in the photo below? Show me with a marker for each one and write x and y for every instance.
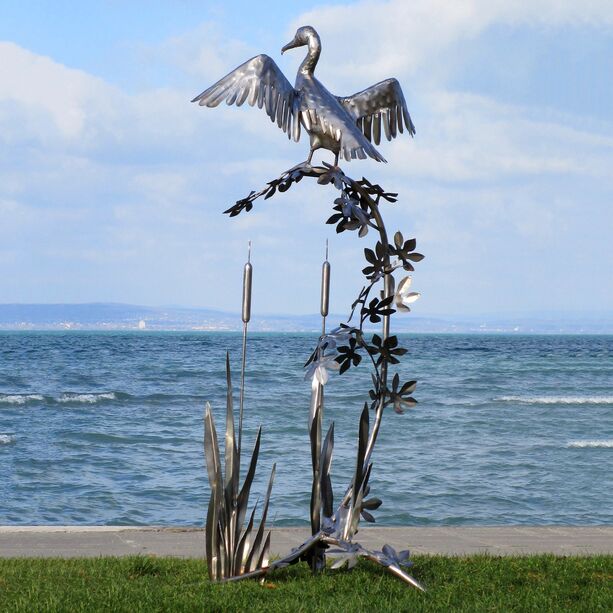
(265, 555)
(211, 547)
(251, 559)
(213, 464)
(243, 497)
(231, 454)
(226, 542)
(361, 455)
(315, 436)
(211, 450)
(243, 543)
(327, 495)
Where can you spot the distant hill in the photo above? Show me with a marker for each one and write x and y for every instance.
(113, 316)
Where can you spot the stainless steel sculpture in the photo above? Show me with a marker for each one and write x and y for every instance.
(342, 125)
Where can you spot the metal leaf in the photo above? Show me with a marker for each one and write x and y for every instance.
(362, 442)
(264, 556)
(326, 484)
(213, 464)
(408, 388)
(243, 544)
(415, 257)
(315, 436)
(389, 551)
(372, 504)
(231, 450)
(243, 497)
(350, 559)
(211, 549)
(251, 559)
(367, 516)
(211, 449)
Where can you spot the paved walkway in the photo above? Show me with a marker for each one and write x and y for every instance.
(93, 541)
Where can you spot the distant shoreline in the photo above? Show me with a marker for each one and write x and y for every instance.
(403, 332)
(117, 317)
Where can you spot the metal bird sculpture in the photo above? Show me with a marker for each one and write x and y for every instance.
(347, 126)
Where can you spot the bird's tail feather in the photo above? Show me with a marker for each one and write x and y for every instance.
(361, 152)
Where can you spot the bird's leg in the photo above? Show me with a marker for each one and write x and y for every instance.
(310, 157)
(336, 159)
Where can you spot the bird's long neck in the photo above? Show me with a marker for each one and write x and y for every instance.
(310, 61)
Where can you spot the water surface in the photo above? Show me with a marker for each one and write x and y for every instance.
(106, 428)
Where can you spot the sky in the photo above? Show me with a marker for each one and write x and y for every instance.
(112, 185)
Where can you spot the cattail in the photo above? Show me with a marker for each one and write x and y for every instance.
(247, 277)
(246, 314)
(325, 286)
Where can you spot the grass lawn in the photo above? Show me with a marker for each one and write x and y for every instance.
(474, 583)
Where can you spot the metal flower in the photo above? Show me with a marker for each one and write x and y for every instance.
(334, 175)
(403, 296)
(405, 251)
(349, 553)
(352, 216)
(400, 396)
(376, 262)
(318, 369)
(386, 348)
(348, 355)
(388, 557)
(337, 336)
(377, 309)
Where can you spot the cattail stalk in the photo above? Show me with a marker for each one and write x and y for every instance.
(317, 556)
(246, 316)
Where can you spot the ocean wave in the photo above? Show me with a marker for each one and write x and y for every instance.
(65, 398)
(595, 443)
(86, 398)
(20, 398)
(558, 399)
(6, 439)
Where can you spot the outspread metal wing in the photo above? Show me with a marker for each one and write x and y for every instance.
(381, 103)
(257, 80)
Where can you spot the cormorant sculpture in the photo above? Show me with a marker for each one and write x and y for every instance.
(346, 126)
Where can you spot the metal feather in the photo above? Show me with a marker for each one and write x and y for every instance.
(377, 128)
(386, 124)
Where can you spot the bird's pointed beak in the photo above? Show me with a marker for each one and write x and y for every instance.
(292, 45)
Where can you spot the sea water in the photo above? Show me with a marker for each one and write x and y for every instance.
(107, 428)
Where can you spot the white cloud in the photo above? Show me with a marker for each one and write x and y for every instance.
(465, 137)
(65, 97)
(374, 39)
(205, 52)
(123, 192)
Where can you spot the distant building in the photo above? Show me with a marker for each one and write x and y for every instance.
(142, 325)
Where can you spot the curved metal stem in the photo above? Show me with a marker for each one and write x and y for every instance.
(387, 291)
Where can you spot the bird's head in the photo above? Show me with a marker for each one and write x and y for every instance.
(306, 35)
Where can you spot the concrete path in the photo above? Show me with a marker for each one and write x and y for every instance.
(93, 541)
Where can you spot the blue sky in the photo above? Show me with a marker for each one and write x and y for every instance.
(112, 184)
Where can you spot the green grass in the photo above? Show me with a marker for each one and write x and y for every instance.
(475, 583)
